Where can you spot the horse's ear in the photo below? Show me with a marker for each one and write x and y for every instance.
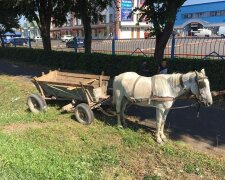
(203, 71)
(196, 72)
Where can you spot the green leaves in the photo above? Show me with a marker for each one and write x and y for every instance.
(9, 16)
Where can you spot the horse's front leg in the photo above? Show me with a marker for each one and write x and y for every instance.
(159, 115)
(162, 135)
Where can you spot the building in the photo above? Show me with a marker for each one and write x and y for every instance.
(130, 27)
(196, 16)
(30, 29)
(101, 30)
(115, 24)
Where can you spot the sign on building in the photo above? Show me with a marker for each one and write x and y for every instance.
(126, 9)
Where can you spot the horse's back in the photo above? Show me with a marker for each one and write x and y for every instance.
(131, 85)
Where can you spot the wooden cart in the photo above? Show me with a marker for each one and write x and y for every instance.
(84, 91)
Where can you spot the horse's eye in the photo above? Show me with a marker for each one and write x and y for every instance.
(201, 84)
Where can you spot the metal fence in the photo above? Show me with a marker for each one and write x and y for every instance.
(182, 47)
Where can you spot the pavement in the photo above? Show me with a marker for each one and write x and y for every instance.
(206, 133)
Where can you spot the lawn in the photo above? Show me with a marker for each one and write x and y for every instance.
(52, 145)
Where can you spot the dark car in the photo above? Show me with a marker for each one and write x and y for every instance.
(70, 43)
(18, 41)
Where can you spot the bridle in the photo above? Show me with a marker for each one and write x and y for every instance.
(200, 84)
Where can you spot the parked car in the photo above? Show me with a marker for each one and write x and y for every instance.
(221, 31)
(70, 43)
(66, 38)
(18, 41)
(7, 39)
(38, 38)
(203, 33)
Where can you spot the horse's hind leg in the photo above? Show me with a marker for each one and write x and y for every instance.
(118, 111)
(159, 116)
(123, 108)
(162, 135)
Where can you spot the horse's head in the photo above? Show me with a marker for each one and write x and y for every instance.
(201, 88)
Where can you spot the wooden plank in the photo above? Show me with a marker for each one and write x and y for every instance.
(77, 75)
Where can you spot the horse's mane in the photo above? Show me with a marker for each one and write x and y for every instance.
(163, 85)
(174, 79)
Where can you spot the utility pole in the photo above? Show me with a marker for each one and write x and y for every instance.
(117, 19)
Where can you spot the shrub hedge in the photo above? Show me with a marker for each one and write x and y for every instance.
(113, 65)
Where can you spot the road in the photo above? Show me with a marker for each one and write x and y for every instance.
(184, 47)
(206, 133)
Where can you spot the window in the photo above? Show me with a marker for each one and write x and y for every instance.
(217, 13)
(212, 13)
(111, 18)
(105, 33)
(222, 13)
(188, 16)
(103, 19)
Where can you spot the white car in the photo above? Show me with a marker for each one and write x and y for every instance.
(66, 38)
(38, 38)
(221, 31)
(203, 33)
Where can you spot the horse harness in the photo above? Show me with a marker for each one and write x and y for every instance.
(152, 97)
(200, 83)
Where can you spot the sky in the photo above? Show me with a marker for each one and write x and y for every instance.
(189, 2)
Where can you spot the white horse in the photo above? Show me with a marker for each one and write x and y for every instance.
(158, 91)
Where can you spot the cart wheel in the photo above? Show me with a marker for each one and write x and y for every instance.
(84, 114)
(36, 103)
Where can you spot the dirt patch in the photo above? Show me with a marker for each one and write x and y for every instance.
(2, 89)
(205, 147)
(219, 102)
(21, 127)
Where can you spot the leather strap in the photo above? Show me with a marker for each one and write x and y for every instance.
(132, 94)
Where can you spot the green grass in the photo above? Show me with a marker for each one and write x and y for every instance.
(54, 146)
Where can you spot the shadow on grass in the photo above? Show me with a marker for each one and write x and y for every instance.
(208, 128)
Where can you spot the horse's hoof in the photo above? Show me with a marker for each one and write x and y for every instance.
(125, 126)
(120, 126)
(159, 141)
(164, 139)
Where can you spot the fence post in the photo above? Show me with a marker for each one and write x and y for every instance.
(113, 46)
(28, 40)
(173, 46)
(75, 44)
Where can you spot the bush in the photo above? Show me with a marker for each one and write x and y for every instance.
(114, 65)
(215, 70)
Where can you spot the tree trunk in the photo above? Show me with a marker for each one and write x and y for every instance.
(87, 34)
(161, 41)
(163, 36)
(45, 14)
(86, 20)
(2, 41)
(46, 40)
(159, 49)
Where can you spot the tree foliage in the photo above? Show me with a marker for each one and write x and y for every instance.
(43, 12)
(9, 18)
(89, 11)
(161, 14)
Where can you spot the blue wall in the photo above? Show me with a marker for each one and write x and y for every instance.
(206, 7)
